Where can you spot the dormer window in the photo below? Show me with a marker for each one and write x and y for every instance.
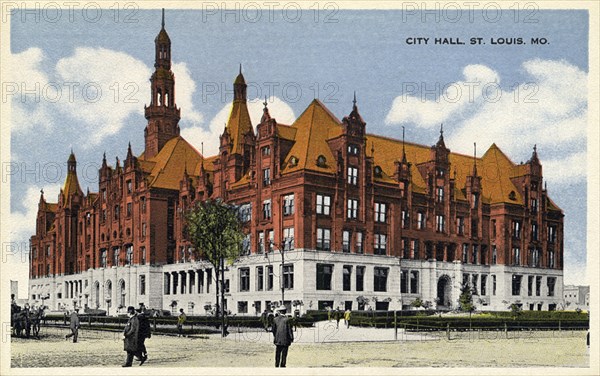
(378, 172)
(321, 161)
(293, 161)
(512, 196)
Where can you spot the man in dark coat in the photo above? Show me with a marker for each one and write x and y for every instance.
(144, 332)
(282, 336)
(130, 336)
(74, 325)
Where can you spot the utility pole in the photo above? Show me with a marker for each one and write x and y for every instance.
(222, 267)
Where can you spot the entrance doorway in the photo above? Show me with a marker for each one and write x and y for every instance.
(444, 292)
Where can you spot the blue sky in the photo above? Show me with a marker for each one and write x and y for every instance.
(535, 93)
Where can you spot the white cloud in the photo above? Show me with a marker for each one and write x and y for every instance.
(549, 110)
(97, 87)
(196, 135)
(454, 98)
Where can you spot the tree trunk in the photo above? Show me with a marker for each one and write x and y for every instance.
(217, 306)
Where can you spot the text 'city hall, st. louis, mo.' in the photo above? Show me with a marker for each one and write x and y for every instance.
(360, 221)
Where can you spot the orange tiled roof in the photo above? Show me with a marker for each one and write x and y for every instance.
(71, 185)
(170, 163)
(315, 122)
(238, 125)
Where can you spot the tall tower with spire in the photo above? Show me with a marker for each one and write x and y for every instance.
(162, 113)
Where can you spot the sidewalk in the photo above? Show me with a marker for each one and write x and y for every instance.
(327, 332)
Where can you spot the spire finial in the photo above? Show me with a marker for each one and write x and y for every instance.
(474, 158)
(354, 100)
(442, 130)
(163, 18)
(265, 102)
(202, 148)
(240, 68)
(403, 148)
(42, 191)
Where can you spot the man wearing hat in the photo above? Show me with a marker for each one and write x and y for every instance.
(282, 336)
(130, 337)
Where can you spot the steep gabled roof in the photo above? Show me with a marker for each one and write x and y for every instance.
(313, 128)
(238, 125)
(496, 173)
(170, 163)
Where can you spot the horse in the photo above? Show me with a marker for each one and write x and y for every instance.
(35, 319)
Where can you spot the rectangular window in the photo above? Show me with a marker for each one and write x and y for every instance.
(538, 285)
(465, 253)
(142, 285)
(534, 205)
(359, 242)
(143, 230)
(460, 225)
(352, 149)
(534, 257)
(440, 194)
(324, 272)
(405, 219)
(129, 209)
(493, 285)
(116, 256)
(129, 255)
(288, 204)
(271, 240)
(267, 176)
(267, 209)
(475, 254)
(352, 175)
(323, 204)
(270, 277)
(551, 259)
(516, 230)
(129, 187)
(420, 220)
(474, 200)
(360, 278)
(346, 241)
(516, 256)
(414, 282)
(494, 255)
(483, 284)
(380, 212)
(245, 212)
(530, 285)
(416, 248)
(260, 281)
(534, 232)
(380, 244)
(493, 228)
(552, 234)
(475, 278)
(117, 212)
(352, 212)
(261, 242)
(439, 223)
(405, 244)
(143, 204)
(242, 307)
(244, 279)
(404, 281)
(104, 194)
(288, 276)
(516, 284)
(246, 245)
(103, 258)
(347, 277)
(551, 282)
(323, 239)
(380, 279)
(288, 239)
(266, 150)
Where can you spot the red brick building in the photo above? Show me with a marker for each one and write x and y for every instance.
(362, 219)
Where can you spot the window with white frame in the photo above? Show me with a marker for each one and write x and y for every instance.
(288, 204)
(352, 212)
(359, 242)
(380, 212)
(288, 239)
(323, 204)
(323, 239)
(267, 176)
(346, 234)
(420, 220)
(380, 244)
(267, 209)
(352, 175)
(440, 194)
(439, 223)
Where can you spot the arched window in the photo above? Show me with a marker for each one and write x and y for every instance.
(121, 293)
(97, 293)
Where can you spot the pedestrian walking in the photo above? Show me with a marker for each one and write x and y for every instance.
(338, 315)
(347, 318)
(74, 325)
(143, 333)
(180, 321)
(264, 319)
(130, 337)
(328, 313)
(282, 336)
